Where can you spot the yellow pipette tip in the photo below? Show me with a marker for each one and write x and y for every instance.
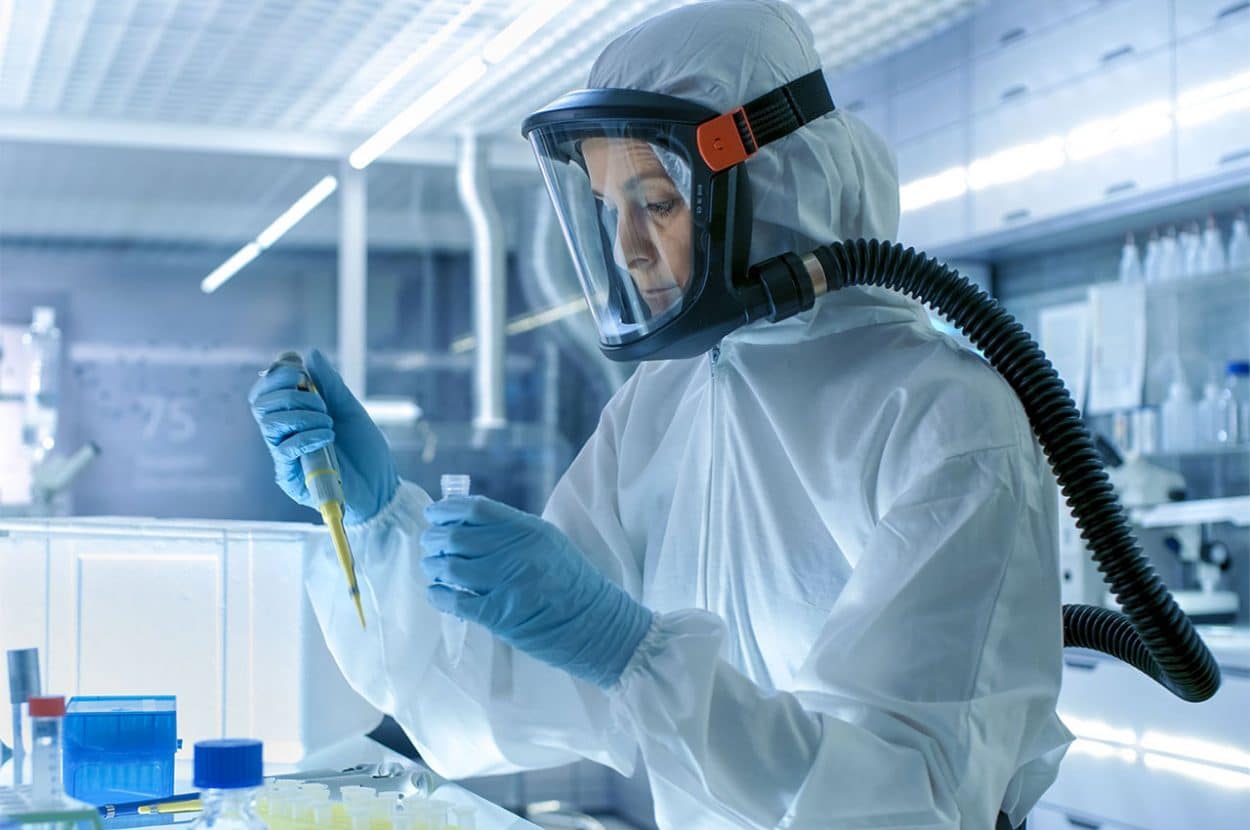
(185, 806)
(332, 514)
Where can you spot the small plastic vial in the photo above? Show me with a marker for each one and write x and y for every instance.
(47, 717)
(454, 485)
(1130, 263)
(228, 776)
(23, 685)
(465, 818)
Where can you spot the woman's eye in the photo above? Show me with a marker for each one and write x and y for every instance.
(662, 209)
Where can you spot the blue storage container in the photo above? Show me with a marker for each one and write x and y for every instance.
(120, 748)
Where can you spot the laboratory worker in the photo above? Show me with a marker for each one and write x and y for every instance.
(805, 571)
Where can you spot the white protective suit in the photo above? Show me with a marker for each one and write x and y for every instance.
(843, 520)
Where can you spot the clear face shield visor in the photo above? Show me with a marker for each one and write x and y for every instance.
(623, 195)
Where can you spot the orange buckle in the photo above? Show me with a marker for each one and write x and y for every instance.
(720, 143)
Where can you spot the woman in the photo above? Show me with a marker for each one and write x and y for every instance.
(809, 575)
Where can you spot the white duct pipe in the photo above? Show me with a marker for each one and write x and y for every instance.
(353, 282)
(489, 284)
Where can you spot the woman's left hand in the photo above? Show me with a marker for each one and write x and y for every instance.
(521, 578)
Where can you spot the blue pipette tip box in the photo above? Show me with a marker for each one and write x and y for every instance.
(120, 748)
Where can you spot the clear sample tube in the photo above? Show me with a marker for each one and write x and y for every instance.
(1130, 262)
(47, 718)
(454, 630)
(1239, 244)
(24, 684)
(1213, 259)
(464, 818)
(1169, 256)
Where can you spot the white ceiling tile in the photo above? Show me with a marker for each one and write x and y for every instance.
(302, 66)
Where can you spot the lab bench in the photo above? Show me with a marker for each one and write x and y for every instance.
(1143, 758)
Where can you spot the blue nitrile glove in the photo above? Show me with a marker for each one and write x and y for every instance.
(522, 579)
(294, 423)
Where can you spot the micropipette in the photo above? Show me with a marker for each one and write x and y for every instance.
(325, 485)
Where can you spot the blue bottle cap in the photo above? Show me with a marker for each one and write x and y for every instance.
(228, 764)
(1238, 367)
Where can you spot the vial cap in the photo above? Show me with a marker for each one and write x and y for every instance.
(228, 764)
(1238, 367)
(44, 317)
(47, 707)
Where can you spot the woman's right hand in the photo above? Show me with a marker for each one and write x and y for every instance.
(295, 423)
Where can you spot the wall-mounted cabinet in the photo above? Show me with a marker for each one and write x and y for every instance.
(1194, 16)
(1077, 46)
(1001, 24)
(1134, 76)
(1208, 141)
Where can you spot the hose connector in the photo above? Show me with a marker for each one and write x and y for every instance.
(788, 287)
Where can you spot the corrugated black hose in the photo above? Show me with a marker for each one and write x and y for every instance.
(1152, 634)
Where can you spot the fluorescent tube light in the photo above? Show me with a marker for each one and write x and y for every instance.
(434, 99)
(521, 29)
(392, 411)
(289, 218)
(230, 267)
(414, 60)
(302, 207)
(524, 323)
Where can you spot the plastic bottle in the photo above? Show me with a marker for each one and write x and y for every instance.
(1130, 263)
(47, 719)
(1239, 244)
(1150, 265)
(1169, 256)
(1212, 415)
(1224, 412)
(1190, 241)
(1177, 415)
(1238, 382)
(42, 343)
(228, 776)
(1212, 259)
(455, 630)
(23, 665)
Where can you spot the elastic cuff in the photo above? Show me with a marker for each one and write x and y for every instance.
(648, 646)
(404, 510)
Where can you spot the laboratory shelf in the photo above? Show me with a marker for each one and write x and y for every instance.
(1213, 453)
(1216, 286)
(1234, 511)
